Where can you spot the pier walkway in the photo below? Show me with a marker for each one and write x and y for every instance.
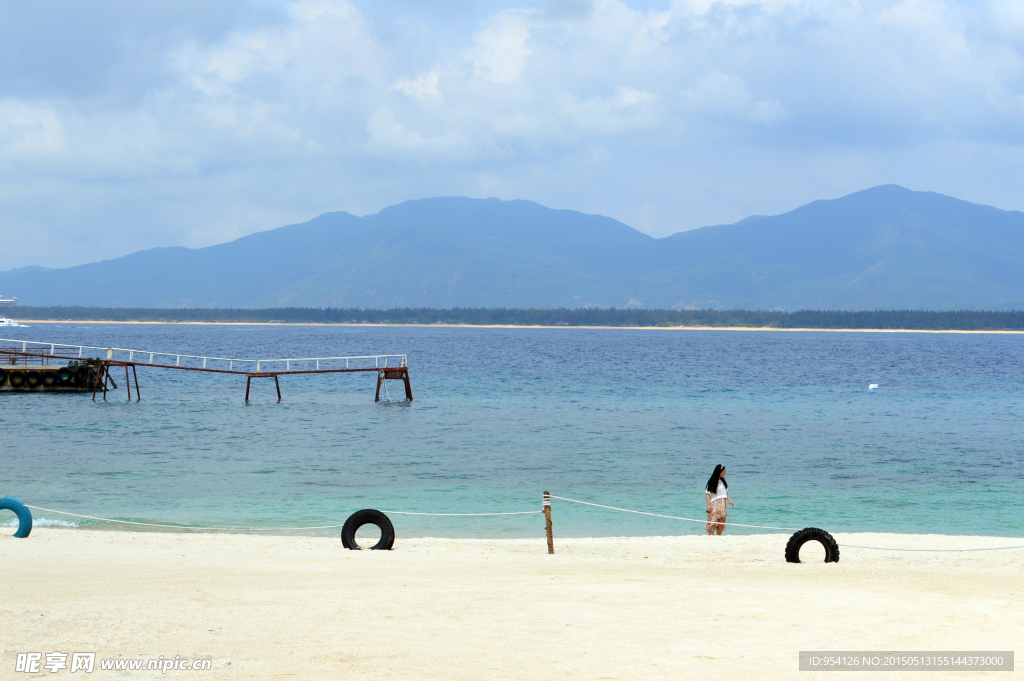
(101, 360)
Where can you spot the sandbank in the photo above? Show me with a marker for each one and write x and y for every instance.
(524, 326)
(689, 607)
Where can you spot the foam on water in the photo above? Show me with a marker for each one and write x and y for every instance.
(41, 522)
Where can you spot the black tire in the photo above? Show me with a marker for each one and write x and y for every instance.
(3, 377)
(33, 379)
(50, 378)
(65, 375)
(812, 534)
(81, 375)
(17, 379)
(368, 516)
(24, 515)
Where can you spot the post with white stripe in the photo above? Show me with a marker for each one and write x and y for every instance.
(547, 522)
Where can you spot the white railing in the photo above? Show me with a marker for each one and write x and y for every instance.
(217, 363)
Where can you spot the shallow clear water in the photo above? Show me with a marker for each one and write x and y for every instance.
(633, 418)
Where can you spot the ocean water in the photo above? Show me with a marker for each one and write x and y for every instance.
(630, 418)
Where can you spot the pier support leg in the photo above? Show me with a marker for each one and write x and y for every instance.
(105, 370)
(138, 397)
(128, 382)
(380, 378)
(408, 386)
(248, 384)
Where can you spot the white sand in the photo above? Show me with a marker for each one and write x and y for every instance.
(623, 608)
(531, 326)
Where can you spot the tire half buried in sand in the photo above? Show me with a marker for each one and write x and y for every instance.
(368, 516)
(812, 534)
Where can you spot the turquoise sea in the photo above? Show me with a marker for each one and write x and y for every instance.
(631, 418)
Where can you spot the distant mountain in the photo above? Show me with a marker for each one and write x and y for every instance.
(886, 247)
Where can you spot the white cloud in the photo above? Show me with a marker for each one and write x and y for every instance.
(499, 49)
(1007, 17)
(694, 112)
(423, 88)
(389, 138)
(725, 94)
(29, 131)
(625, 110)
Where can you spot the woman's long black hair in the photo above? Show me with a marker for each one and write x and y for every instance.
(712, 485)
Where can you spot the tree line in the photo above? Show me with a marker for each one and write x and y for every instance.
(954, 320)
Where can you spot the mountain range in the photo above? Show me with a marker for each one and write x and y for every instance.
(881, 248)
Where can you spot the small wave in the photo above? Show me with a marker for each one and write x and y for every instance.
(42, 522)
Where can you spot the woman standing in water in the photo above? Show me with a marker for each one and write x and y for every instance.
(717, 493)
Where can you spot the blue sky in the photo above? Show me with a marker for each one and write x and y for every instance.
(127, 125)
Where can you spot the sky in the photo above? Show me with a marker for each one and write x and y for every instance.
(127, 125)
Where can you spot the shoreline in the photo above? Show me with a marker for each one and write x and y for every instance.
(527, 326)
(665, 608)
(917, 541)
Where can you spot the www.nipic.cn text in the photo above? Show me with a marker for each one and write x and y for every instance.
(34, 663)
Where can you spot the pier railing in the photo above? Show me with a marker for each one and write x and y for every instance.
(291, 365)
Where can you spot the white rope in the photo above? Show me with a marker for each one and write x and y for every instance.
(386, 394)
(186, 527)
(673, 517)
(882, 548)
(256, 529)
(461, 514)
(794, 529)
(574, 501)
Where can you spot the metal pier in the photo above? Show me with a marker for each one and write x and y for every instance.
(387, 367)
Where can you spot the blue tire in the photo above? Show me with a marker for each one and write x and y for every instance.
(24, 515)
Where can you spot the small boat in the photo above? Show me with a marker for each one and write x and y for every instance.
(4, 321)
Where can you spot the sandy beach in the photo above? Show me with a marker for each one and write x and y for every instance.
(689, 607)
(527, 326)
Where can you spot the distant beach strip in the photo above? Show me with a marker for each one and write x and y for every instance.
(802, 320)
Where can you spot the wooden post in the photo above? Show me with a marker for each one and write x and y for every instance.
(128, 382)
(248, 381)
(380, 379)
(137, 395)
(278, 388)
(547, 522)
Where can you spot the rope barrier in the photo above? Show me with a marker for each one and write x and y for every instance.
(186, 527)
(673, 517)
(788, 529)
(462, 514)
(256, 529)
(882, 548)
(574, 501)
